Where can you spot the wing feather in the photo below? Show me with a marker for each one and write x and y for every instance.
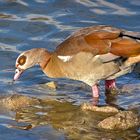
(100, 40)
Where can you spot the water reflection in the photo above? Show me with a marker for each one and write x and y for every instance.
(32, 113)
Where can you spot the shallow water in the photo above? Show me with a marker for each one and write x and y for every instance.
(30, 24)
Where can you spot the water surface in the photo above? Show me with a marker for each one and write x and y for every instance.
(30, 24)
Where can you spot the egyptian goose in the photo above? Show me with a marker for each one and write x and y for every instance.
(90, 54)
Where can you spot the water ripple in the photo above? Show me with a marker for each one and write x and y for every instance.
(27, 24)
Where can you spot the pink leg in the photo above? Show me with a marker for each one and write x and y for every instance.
(110, 84)
(95, 91)
(95, 94)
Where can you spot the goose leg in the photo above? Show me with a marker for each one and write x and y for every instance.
(95, 94)
(95, 91)
(110, 86)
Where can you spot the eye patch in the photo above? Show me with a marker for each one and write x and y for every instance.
(22, 60)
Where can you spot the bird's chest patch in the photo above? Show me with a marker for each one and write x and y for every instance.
(65, 58)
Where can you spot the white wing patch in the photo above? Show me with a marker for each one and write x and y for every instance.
(65, 58)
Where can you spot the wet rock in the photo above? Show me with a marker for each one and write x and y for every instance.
(14, 102)
(52, 85)
(22, 127)
(5, 16)
(121, 121)
(105, 109)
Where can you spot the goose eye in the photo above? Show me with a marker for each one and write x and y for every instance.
(22, 60)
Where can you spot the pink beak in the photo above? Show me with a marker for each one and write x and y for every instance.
(17, 74)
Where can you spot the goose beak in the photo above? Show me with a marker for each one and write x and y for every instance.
(17, 74)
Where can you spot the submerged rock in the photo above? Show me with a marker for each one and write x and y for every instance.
(121, 121)
(16, 101)
(22, 127)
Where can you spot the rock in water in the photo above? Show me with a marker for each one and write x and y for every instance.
(121, 121)
(104, 109)
(52, 85)
(16, 101)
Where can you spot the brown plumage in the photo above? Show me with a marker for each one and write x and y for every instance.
(90, 54)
